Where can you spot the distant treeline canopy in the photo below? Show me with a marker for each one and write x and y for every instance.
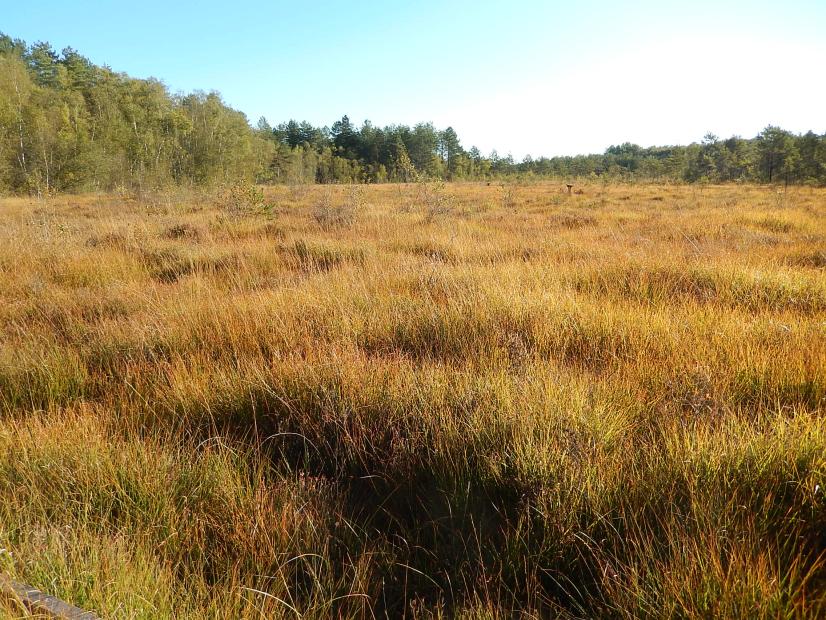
(69, 125)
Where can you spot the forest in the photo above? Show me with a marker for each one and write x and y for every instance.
(68, 125)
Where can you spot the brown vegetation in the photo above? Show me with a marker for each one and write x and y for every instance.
(425, 400)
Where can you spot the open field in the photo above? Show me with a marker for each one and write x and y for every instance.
(417, 400)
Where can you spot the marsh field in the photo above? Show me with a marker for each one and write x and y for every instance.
(421, 401)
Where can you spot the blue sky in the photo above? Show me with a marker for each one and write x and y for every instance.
(521, 76)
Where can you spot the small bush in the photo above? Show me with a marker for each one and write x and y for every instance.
(433, 196)
(508, 195)
(330, 216)
(243, 198)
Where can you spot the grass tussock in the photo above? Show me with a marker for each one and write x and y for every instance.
(421, 401)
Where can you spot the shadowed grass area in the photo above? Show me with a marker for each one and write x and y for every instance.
(431, 404)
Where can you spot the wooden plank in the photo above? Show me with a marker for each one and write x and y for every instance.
(42, 604)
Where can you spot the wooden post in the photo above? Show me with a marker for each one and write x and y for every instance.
(40, 603)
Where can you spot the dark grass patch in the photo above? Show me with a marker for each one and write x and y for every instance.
(109, 240)
(169, 266)
(310, 257)
(571, 221)
(661, 284)
(815, 259)
(434, 252)
(182, 231)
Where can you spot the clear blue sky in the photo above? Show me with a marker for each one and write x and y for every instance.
(521, 76)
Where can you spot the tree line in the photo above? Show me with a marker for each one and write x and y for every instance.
(401, 153)
(67, 124)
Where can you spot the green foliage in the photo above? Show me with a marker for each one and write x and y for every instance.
(243, 197)
(402, 154)
(69, 125)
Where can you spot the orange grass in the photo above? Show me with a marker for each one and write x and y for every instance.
(428, 400)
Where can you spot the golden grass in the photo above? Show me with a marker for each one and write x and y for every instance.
(421, 401)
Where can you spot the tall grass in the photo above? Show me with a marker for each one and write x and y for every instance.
(355, 404)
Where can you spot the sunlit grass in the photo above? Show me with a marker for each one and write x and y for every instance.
(431, 401)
